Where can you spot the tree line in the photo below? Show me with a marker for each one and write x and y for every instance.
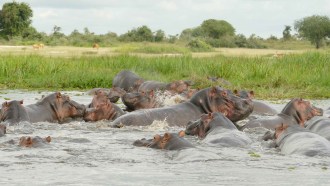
(16, 19)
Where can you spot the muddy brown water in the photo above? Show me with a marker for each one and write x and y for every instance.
(93, 154)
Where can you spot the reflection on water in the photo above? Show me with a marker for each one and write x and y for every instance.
(83, 153)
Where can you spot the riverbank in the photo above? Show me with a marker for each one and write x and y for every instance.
(271, 75)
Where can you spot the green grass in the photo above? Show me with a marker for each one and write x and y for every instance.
(294, 75)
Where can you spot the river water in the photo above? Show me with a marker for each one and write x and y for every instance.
(83, 153)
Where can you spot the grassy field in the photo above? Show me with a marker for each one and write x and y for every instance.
(292, 73)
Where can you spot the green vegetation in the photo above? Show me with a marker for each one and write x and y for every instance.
(293, 75)
(315, 28)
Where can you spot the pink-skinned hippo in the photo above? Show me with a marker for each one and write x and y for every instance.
(260, 108)
(215, 128)
(55, 107)
(139, 100)
(104, 111)
(214, 99)
(13, 112)
(27, 141)
(168, 141)
(100, 104)
(113, 93)
(319, 125)
(127, 80)
(293, 139)
(3, 129)
(175, 87)
(297, 111)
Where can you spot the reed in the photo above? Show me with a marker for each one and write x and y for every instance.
(294, 75)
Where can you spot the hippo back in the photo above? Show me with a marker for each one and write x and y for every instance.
(320, 125)
(13, 112)
(227, 138)
(297, 140)
(127, 80)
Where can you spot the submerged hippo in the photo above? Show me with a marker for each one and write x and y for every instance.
(175, 87)
(319, 125)
(169, 141)
(100, 103)
(127, 80)
(13, 112)
(27, 141)
(139, 100)
(113, 93)
(215, 128)
(3, 130)
(104, 111)
(207, 100)
(293, 139)
(54, 107)
(297, 111)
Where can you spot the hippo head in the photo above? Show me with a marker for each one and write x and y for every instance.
(301, 110)
(62, 106)
(13, 112)
(100, 112)
(115, 93)
(217, 99)
(244, 94)
(139, 100)
(178, 86)
(199, 127)
(100, 97)
(27, 141)
(169, 141)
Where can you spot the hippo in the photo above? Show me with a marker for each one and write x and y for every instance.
(27, 141)
(297, 111)
(104, 111)
(175, 87)
(139, 100)
(3, 130)
(115, 93)
(293, 139)
(169, 141)
(214, 99)
(319, 125)
(101, 98)
(215, 128)
(127, 80)
(54, 107)
(13, 112)
(260, 108)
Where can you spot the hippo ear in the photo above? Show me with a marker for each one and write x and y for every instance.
(167, 136)
(235, 92)
(156, 138)
(251, 93)
(181, 133)
(151, 93)
(21, 102)
(28, 141)
(213, 91)
(210, 115)
(224, 94)
(48, 139)
(5, 104)
(58, 95)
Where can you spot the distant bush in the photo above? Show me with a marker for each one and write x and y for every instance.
(198, 45)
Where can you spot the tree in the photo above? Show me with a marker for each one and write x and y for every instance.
(314, 28)
(286, 32)
(15, 18)
(159, 36)
(140, 34)
(217, 28)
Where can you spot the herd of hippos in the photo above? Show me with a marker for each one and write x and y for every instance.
(211, 114)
